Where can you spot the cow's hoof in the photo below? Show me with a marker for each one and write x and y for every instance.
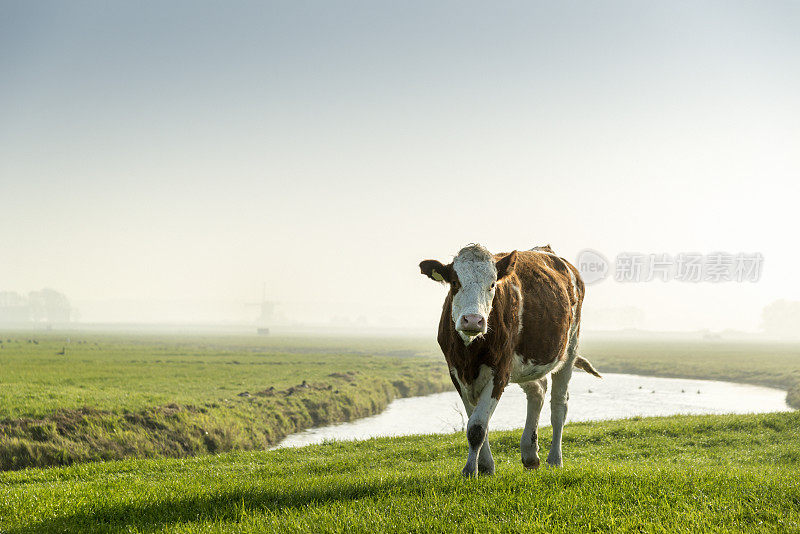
(470, 470)
(554, 462)
(531, 464)
(486, 469)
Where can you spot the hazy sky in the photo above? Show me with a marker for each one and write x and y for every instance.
(193, 150)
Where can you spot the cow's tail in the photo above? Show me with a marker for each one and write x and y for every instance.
(584, 365)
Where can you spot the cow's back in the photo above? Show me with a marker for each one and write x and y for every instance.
(552, 294)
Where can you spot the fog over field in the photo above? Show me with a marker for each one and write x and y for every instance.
(172, 162)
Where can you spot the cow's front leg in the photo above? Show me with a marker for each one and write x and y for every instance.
(477, 429)
(485, 459)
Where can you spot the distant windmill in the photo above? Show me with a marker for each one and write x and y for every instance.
(267, 310)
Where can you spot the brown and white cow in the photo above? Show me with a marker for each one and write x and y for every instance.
(510, 318)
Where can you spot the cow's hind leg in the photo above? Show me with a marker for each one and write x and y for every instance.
(559, 394)
(529, 445)
(558, 411)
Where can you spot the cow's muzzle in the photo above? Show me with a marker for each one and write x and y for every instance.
(472, 324)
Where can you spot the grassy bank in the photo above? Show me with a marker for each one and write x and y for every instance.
(676, 474)
(793, 397)
(768, 364)
(112, 397)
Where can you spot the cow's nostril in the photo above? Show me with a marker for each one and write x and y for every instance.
(473, 321)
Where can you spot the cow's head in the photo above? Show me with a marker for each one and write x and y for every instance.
(473, 276)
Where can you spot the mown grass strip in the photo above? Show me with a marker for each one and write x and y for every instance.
(675, 474)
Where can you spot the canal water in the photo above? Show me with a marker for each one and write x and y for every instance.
(616, 396)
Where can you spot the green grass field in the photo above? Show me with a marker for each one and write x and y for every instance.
(130, 371)
(676, 474)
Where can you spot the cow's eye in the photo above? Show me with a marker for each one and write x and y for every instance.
(492, 286)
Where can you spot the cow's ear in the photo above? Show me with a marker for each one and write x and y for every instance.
(436, 271)
(505, 266)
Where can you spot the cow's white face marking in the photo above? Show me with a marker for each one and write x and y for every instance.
(477, 275)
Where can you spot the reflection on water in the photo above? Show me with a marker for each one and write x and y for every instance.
(591, 399)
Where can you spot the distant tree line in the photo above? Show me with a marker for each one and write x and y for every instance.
(45, 306)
